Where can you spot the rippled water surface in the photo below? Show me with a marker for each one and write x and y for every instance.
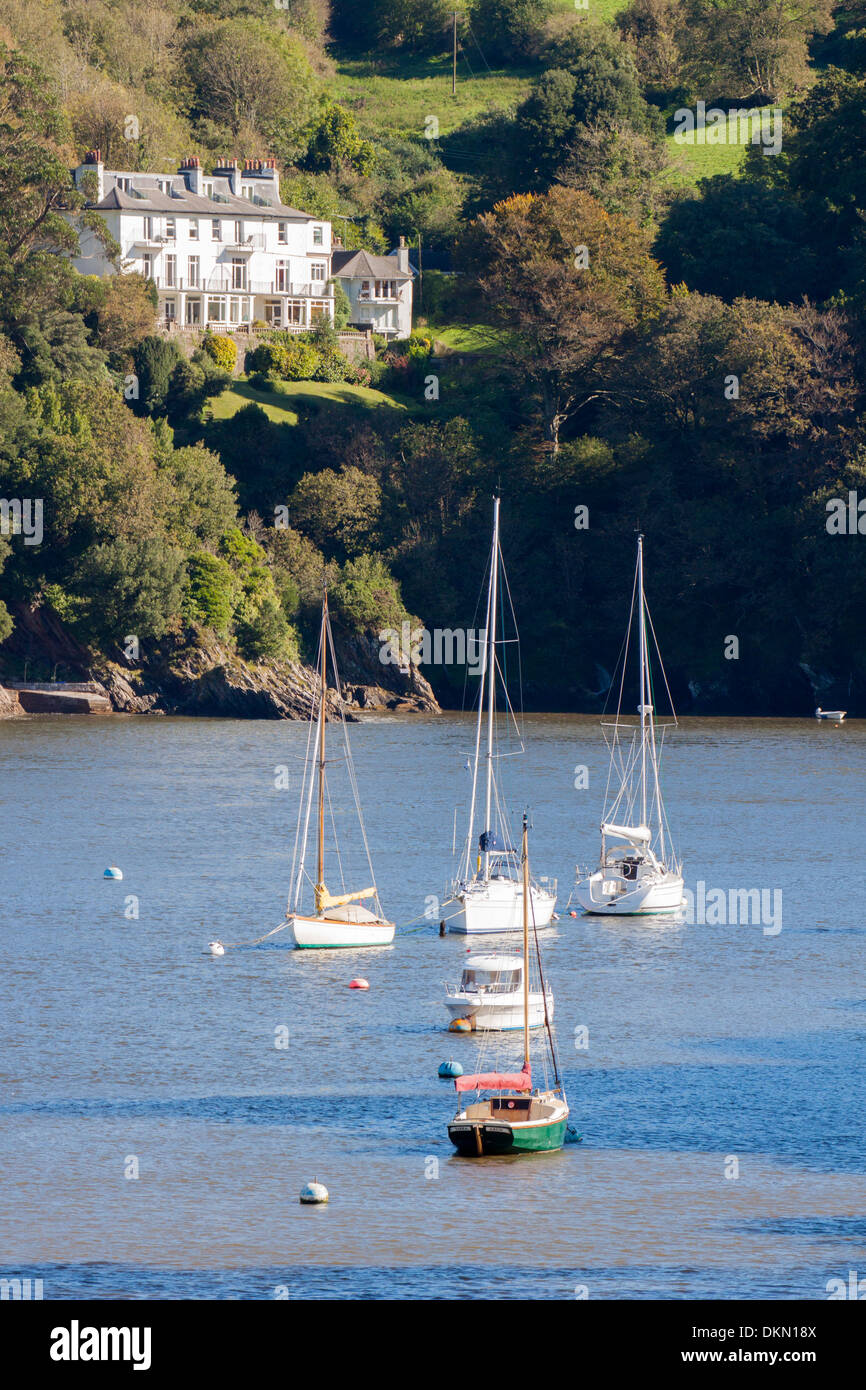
(712, 1048)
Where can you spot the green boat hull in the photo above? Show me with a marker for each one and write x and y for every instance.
(540, 1138)
(491, 1138)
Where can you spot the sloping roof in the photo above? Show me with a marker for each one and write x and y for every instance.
(363, 265)
(150, 198)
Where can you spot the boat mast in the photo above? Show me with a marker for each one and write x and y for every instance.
(525, 859)
(478, 723)
(320, 873)
(643, 706)
(491, 665)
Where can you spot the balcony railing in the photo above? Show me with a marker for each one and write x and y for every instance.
(223, 284)
(256, 241)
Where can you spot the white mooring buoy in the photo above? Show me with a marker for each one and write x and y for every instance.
(216, 948)
(113, 872)
(314, 1193)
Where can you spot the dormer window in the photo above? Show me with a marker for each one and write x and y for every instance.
(125, 185)
(208, 188)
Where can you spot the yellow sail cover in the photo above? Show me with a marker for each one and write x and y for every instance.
(324, 899)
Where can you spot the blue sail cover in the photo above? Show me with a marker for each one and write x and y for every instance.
(488, 840)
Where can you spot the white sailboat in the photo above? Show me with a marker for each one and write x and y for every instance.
(638, 872)
(339, 919)
(487, 896)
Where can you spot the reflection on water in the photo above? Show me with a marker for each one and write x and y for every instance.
(123, 1038)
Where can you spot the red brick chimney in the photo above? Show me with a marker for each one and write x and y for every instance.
(191, 170)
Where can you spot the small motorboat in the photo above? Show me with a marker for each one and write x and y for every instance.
(835, 715)
(490, 995)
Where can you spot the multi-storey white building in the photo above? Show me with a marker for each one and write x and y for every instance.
(221, 248)
(379, 289)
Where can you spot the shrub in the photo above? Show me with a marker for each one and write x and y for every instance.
(266, 633)
(301, 362)
(155, 359)
(221, 350)
(296, 360)
(367, 595)
(211, 592)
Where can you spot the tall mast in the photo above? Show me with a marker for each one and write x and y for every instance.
(478, 723)
(491, 672)
(320, 877)
(525, 862)
(642, 707)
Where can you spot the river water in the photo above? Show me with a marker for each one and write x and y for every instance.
(720, 1097)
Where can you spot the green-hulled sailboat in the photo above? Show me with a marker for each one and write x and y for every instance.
(515, 1118)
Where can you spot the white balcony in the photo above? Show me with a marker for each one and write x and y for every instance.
(255, 242)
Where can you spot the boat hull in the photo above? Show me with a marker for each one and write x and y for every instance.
(491, 1138)
(319, 933)
(497, 908)
(498, 1016)
(644, 900)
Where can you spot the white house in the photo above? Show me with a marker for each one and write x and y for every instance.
(221, 247)
(379, 289)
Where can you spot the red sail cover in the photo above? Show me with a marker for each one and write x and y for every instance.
(496, 1081)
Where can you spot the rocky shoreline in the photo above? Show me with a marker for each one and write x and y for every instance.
(195, 674)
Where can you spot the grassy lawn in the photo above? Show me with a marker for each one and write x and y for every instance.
(703, 161)
(604, 10)
(463, 337)
(398, 95)
(693, 162)
(283, 404)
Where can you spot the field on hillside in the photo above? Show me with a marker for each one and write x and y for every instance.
(703, 161)
(284, 403)
(400, 97)
(397, 93)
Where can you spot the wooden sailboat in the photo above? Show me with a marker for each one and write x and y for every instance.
(516, 1118)
(337, 919)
